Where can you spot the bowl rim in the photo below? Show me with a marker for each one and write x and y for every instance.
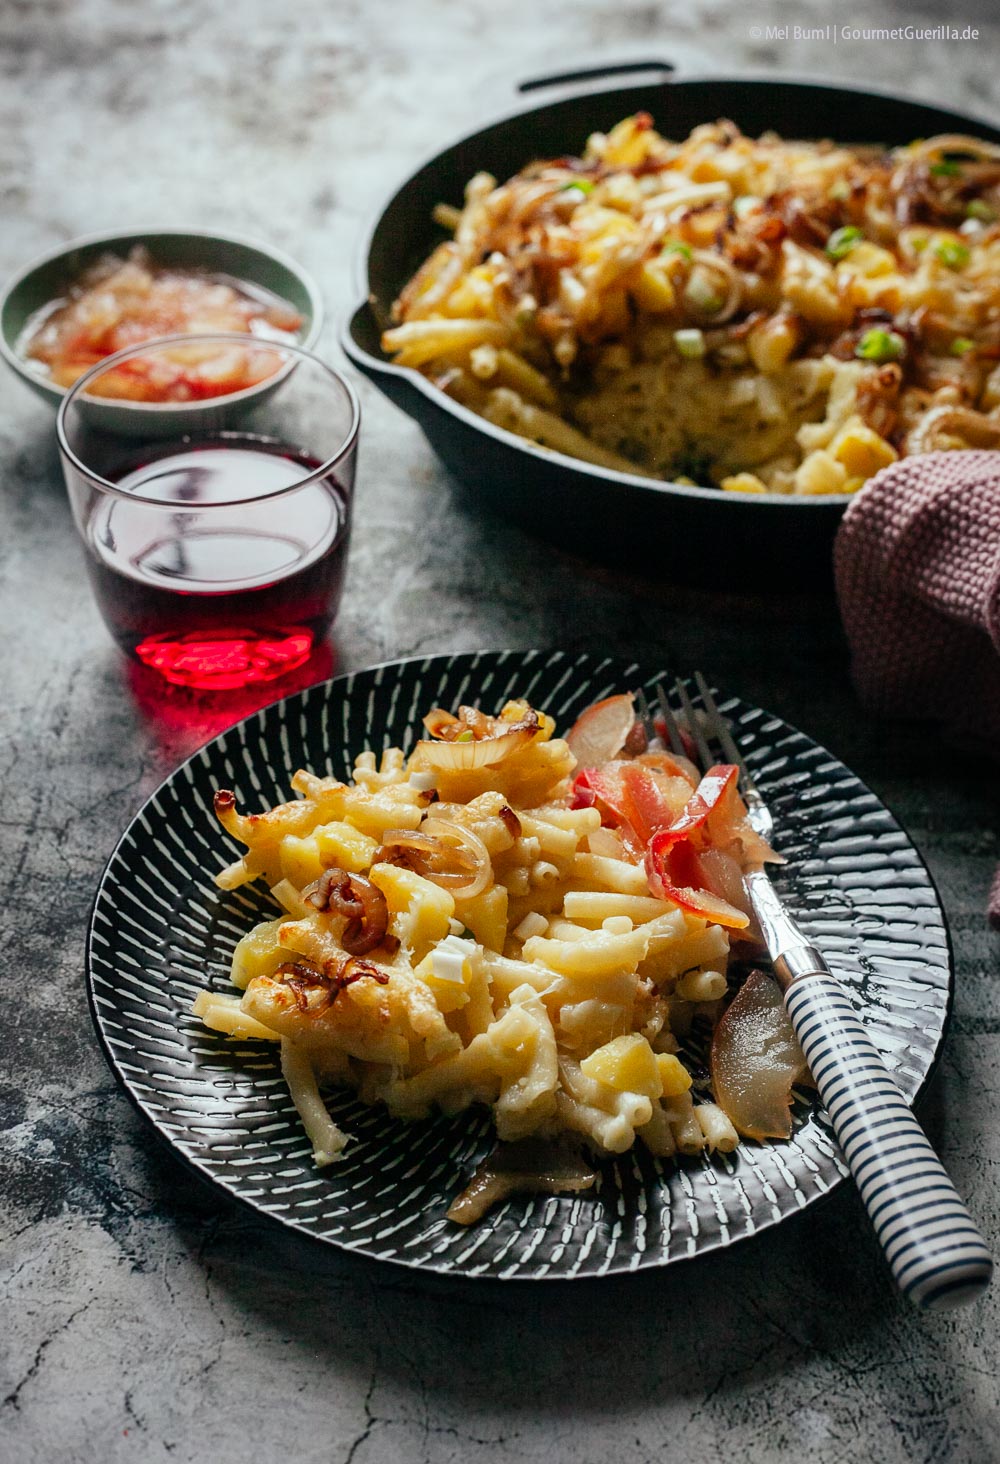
(365, 299)
(108, 236)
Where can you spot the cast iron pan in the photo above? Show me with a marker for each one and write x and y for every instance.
(765, 541)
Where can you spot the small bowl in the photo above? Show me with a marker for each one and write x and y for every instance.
(240, 259)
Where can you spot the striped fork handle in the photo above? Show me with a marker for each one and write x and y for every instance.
(937, 1255)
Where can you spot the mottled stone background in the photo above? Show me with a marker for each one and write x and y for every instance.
(143, 1317)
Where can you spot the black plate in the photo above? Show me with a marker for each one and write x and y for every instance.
(160, 930)
(771, 541)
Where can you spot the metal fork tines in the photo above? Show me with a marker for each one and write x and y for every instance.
(713, 725)
(936, 1253)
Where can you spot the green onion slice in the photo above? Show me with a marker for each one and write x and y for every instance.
(951, 253)
(842, 241)
(690, 344)
(880, 346)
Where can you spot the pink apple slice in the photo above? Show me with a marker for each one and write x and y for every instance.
(599, 733)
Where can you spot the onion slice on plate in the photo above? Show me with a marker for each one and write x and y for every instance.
(355, 897)
(471, 740)
(447, 854)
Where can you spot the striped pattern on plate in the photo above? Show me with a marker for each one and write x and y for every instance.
(161, 930)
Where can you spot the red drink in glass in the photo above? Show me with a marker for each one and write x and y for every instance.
(215, 547)
(221, 599)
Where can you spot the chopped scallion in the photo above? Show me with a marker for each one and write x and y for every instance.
(684, 250)
(880, 346)
(978, 208)
(690, 344)
(842, 241)
(961, 346)
(946, 169)
(951, 253)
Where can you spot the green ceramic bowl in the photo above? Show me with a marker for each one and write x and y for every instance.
(241, 259)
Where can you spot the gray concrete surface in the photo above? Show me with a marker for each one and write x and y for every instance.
(143, 1317)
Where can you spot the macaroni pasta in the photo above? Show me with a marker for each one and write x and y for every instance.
(761, 315)
(466, 925)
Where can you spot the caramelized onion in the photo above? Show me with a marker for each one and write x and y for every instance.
(440, 723)
(485, 752)
(510, 821)
(355, 897)
(954, 142)
(446, 853)
(878, 398)
(446, 727)
(731, 281)
(303, 977)
(950, 421)
(467, 816)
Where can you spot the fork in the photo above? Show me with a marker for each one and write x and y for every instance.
(937, 1255)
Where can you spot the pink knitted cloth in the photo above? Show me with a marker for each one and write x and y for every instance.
(917, 563)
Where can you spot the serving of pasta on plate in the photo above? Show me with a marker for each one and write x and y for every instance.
(511, 918)
(758, 315)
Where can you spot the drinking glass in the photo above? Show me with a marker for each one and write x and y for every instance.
(215, 526)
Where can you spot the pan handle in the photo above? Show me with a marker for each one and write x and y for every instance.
(595, 73)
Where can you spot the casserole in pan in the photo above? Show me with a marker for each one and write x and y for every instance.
(682, 530)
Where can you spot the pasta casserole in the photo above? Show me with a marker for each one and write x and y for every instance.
(760, 315)
(510, 918)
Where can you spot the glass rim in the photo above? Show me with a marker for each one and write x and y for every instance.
(105, 485)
